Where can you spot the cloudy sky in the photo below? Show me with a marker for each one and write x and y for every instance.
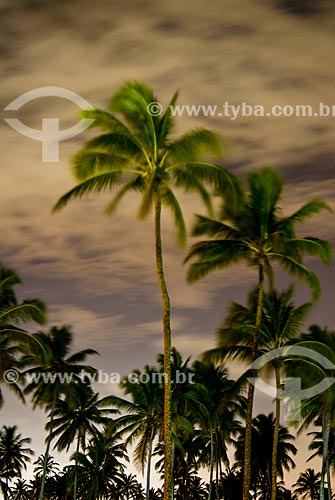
(97, 272)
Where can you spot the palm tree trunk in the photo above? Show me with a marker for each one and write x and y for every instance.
(211, 465)
(47, 449)
(329, 481)
(76, 470)
(217, 467)
(326, 432)
(251, 389)
(149, 464)
(168, 487)
(275, 438)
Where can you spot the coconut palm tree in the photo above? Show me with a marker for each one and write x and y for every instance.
(14, 455)
(13, 314)
(261, 451)
(143, 419)
(20, 490)
(99, 468)
(221, 398)
(52, 467)
(320, 406)
(253, 231)
(318, 444)
(55, 371)
(280, 324)
(308, 484)
(137, 149)
(130, 488)
(79, 415)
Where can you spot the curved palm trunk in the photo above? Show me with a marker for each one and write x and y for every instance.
(326, 432)
(149, 465)
(275, 438)
(76, 470)
(168, 487)
(211, 473)
(251, 388)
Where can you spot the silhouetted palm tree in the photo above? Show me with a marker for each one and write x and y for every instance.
(55, 372)
(261, 451)
(137, 149)
(20, 490)
(144, 415)
(14, 314)
(223, 404)
(253, 231)
(80, 415)
(308, 484)
(14, 455)
(280, 324)
(99, 468)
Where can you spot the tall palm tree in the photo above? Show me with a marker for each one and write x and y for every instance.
(253, 231)
(261, 451)
(80, 414)
(223, 402)
(318, 444)
(14, 455)
(144, 415)
(322, 405)
(53, 362)
(308, 484)
(280, 324)
(137, 149)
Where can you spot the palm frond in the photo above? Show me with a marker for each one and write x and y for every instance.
(166, 122)
(132, 100)
(311, 208)
(311, 246)
(214, 255)
(169, 199)
(33, 310)
(88, 163)
(192, 145)
(147, 198)
(295, 268)
(212, 227)
(95, 184)
(135, 184)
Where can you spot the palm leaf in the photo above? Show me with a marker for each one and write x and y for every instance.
(169, 199)
(135, 184)
(95, 184)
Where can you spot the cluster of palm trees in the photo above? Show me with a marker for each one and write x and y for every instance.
(188, 426)
(208, 418)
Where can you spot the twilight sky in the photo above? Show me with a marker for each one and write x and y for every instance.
(97, 272)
